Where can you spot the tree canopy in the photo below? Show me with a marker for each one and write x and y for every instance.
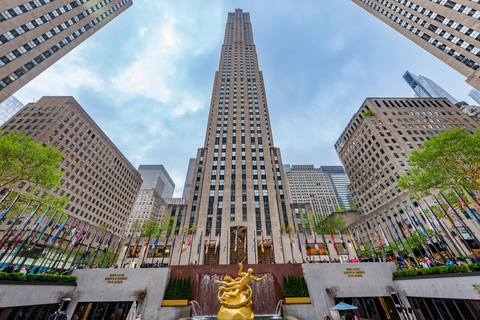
(22, 159)
(327, 224)
(443, 162)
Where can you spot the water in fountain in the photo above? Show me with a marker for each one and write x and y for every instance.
(196, 309)
(278, 310)
(264, 298)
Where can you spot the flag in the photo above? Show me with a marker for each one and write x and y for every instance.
(217, 243)
(7, 208)
(292, 242)
(323, 239)
(415, 222)
(450, 209)
(253, 242)
(208, 243)
(181, 243)
(341, 240)
(155, 242)
(361, 241)
(245, 240)
(82, 237)
(226, 242)
(353, 240)
(465, 207)
(74, 240)
(384, 237)
(136, 244)
(55, 236)
(42, 232)
(315, 240)
(333, 241)
(371, 241)
(199, 243)
(101, 240)
(53, 228)
(147, 246)
(470, 198)
(236, 239)
(426, 218)
(261, 241)
(90, 243)
(299, 245)
(271, 240)
(37, 222)
(378, 238)
(187, 243)
(173, 243)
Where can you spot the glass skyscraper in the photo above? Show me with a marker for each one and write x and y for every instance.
(426, 88)
(9, 108)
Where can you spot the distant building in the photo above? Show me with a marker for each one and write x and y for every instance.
(8, 108)
(149, 206)
(340, 183)
(156, 177)
(188, 179)
(324, 188)
(426, 88)
(36, 34)
(475, 95)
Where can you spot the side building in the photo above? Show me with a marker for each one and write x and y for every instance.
(374, 148)
(36, 34)
(426, 88)
(100, 182)
(156, 177)
(446, 29)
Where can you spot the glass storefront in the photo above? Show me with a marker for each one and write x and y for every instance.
(445, 309)
(39, 312)
(102, 310)
(373, 308)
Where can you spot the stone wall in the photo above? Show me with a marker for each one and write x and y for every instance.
(24, 293)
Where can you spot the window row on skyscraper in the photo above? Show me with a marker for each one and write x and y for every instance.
(9, 57)
(46, 54)
(23, 8)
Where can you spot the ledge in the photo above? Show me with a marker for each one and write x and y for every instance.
(36, 283)
(299, 300)
(435, 276)
(174, 303)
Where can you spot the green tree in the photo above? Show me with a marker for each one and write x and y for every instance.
(327, 224)
(23, 160)
(444, 161)
(150, 227)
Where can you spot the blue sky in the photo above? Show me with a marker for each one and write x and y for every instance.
(146, 78)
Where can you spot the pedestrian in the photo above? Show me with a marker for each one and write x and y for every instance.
(449, 262)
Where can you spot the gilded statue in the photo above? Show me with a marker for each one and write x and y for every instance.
(235, 296)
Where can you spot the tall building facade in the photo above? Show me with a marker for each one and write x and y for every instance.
(308, 184)
(238, 188)
(426, 88)
(446, 29)
(475, 95)
(8, 108)
(35, 34)
(149, 207)
(340, 184)
(188, 179)
(156, 177)
(374, 150)
(100, 182)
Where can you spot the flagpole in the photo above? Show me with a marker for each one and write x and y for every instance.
(437, 235)
(107, 247)
(27, 239)
(51, 265)
(126, 249)
(53, 240)
(97, 248)
(191, 245)
(172, 249)
(426, 246)
(469, 231)
(291, 245)
(76, 247)
(406, 240)
(46, 240)
(444, 229)
(146, 250)
(445, 212)
(41, 233)
(7, 233)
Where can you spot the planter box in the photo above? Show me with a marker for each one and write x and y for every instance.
(171, 303)
(298, 300)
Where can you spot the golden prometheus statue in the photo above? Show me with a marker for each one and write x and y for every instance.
(236, 296)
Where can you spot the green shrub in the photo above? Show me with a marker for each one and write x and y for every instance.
(14, 276)
(473, 267)
(369, 113)
(437, 270)
(178, 288)
(295, 286)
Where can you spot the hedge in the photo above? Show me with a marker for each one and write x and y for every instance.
(15, 276)
(294, 286)
(437, 270)
(178, 288)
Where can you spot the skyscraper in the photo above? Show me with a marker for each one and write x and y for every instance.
(446, 29)
(156, 177)
(188, 179)
(35, 34)
(475, 95)
(426, 88)
(238, 178)
(8, 108)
